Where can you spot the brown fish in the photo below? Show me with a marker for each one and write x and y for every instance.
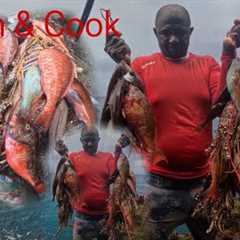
(140, 121)
(127, 106)
(65, 185)
(233, 82)
(80, 100)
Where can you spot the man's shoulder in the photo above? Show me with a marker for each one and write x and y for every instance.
(144, 61)
(202, 58)
(105, 155)
(73, 155)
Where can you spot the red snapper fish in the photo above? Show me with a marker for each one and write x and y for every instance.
(57, 73)
(20, 143)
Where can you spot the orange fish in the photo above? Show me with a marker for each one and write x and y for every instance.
(57, 72)
(20, 143)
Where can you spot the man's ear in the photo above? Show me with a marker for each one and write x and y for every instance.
(191, 30)
(155, 31)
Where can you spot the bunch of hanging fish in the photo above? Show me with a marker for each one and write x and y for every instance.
(127, 107)
(123, 202)
(66, 187)
(45, 90)
(221, 204)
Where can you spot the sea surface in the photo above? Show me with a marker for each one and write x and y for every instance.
(36, 219)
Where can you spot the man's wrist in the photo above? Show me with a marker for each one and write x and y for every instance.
(118, 148)
(229, 47)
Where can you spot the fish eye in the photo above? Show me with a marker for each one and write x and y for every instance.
(27, 126)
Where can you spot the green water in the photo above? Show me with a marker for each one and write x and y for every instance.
(37, 220)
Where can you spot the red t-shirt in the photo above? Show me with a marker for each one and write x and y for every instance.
(181, 96)
(94, 173)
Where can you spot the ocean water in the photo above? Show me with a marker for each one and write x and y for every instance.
(36, 219)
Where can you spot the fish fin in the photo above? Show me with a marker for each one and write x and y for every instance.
(79, 98)
(58, 123)
(114, 105)
(117, 75)
(43, 120)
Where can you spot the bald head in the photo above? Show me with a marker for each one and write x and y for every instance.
(90, 139)
(172, 14)
(173, 30)
(89, 132)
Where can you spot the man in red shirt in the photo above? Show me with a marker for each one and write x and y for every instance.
(94, 170)
(181, 88)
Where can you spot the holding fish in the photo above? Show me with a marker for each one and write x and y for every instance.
(181, 88)
(81, 186)
(127, 106)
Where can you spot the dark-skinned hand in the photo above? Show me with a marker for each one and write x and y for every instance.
(61, 148)
(117, 48)
(232, 40)
(123, 141)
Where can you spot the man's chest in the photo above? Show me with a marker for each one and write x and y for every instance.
(176, 84)
(92, 168)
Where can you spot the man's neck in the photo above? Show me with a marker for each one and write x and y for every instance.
(177, 59)
(91, 154)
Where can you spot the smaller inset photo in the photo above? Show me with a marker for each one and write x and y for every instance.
(46, 94)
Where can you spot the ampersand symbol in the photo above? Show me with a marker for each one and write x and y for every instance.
(24, 26)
